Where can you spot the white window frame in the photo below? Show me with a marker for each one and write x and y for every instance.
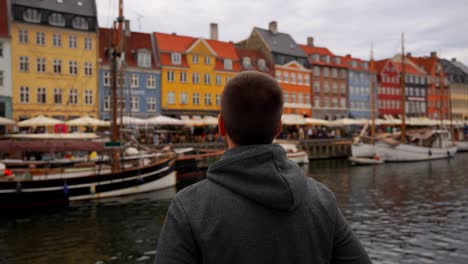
(219, 79)
(227, 64)
(72, 42)
(195, 59)
(57, 40)
(183, 77)
(88, 97)
(151, 104)
(207, 99)
(195, 78)
(41, 65)
(80, 22)
(218, 99)
(41, 95)
(24, 64)
(23, 36)
(88, 69)
(170, 98)
(135, 104)
(73, 67)
(183, 98)
(207, 60)
(196, 99)
(151, 81)
(170, 76)
(107, 79)
(57, 19)
(57, 66)
(40, 38)
(88, 44)
(279, 76)
(207, 78)
(134, 81)
(73, 96)
(24, 94)
(107, 103)
(58, 96)
(176, 58)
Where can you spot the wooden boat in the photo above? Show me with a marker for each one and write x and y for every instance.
(365, 161)
(292, 153)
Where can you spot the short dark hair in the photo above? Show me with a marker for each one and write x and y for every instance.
(251, 107)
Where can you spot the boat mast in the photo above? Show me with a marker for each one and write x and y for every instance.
(403, 90)
(117, 45)
(372, 91)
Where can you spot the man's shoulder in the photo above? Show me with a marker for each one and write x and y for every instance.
(195, 191)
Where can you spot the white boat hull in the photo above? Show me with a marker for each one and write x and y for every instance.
(362, 150)
(405, 152)
(365, 161)
(462, 146)
(300, 157)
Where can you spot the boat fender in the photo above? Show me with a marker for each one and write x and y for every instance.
(66, 191)
(430, 153)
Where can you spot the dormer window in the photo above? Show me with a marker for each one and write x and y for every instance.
(32, 15)
(227, 64)
(354, 64)
(365, 65)
(326, 59)
(246, 62)
(56, 19)
(261, 64)
(176, 58)
(315, 57)
(80, 23)
(337, 60)
(144, 59)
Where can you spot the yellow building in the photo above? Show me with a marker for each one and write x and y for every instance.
(193, 73)
(54, 59)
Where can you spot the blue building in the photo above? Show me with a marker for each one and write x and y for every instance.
(359, 83)
(139, 88)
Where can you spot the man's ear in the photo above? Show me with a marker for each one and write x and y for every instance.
(221, 128)
(280, 128)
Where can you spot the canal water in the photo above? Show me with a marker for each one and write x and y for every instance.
(403, 213)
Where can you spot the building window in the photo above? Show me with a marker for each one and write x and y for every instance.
(183, 77)
(73, 67)
(23, 36)
(24, 94)
(170, 98)
(261, 64)
(293, 78)
(56, 19)
(24, 64)
(299, 98)
(334, 73)
(170, 76)
(195, 78)
(1, 79)
(88, 44)
(335, 102)
(246, 62)
(58, 96)
(307, 99)
(286, 77)
(41, 65)
(107, 79)
(73, 97)
(278, 76)
(317, 101)
(151, 104)
(207, 79)
(57, 40)
(144, 60)
(80, 23)
(41, 96)
(88, 69)
(207, 99)
(343, 102)
(218, 99)
(335, 88)
(40, 38)
(326, 72)
(57, 66)
(72, 42)
(135, 104)
(176, 58)
(286, 97)
(32, 15)
(207, 60)
(107, 103)
(326, 87)
(227, 64)
(307, 80)
(299, 78)
(343, 88)
(134, 81)
(195, 59)
(293, 98)
(316, 71)
(316, 86)
(183, 98)
(151, 81)
(219, 80)
(88, 97)
(196, 99)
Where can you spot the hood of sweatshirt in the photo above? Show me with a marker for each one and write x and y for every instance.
(263, 174)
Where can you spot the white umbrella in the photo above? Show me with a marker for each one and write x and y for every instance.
(195, 121)
(315, 121)
(347, 122)
(5, 121)
(87, 121)
(164, 120)
(40, 121)
(129, 120)
(210, 121)
(290, 119)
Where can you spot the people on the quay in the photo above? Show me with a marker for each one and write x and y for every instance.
(256, 206)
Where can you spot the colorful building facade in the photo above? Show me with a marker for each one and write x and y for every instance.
(139, 92)
(458, 85)
(5, 62)
(389, 92)
(194, 72)
(329, 82)
(291, 67)
(54, 58)
(359, 88)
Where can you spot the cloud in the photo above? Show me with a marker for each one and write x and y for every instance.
(346, 27)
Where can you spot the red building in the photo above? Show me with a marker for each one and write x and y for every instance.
(389, 91)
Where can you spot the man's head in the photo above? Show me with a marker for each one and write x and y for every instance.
(251, 109)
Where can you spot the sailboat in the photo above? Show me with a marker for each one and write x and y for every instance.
(423, 144)
(57, 182)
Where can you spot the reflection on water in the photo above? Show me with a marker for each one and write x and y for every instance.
(403, 213)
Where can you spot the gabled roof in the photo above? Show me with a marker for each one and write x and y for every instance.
(135, 42)
(322, 51)
(173, 42)
(427, 63)
(3, 19)
(280, 43)
(77, 7)
(359, 66)
(254, 56)
(381, 64)
(409, 69)
(462, 66)
(309, 50)
(224, 50)
(200, 40)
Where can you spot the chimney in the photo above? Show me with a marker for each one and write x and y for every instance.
(433, 54)
(408, 54)
(213, 31)
(273, 26)
(454, 59)
(310, 41)
(348, 56)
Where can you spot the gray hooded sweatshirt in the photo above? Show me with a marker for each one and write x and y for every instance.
(256, 206)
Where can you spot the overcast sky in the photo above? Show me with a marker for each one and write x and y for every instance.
(344, 26)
